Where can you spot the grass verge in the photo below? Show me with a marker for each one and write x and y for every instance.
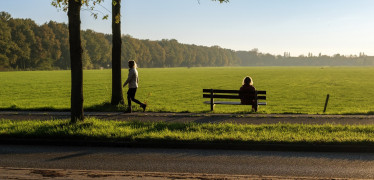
(121, 131)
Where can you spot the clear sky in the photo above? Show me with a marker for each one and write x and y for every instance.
(273, 26)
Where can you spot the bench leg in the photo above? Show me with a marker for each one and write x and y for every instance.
(211, 100)
(211, 104)
(255, 107)
(212, 107)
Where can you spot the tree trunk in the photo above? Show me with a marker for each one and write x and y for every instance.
(76, 52)
(117, 96)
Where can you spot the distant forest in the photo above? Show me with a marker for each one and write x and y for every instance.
(25, 45)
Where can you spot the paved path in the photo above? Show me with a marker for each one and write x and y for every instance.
(177, 161)
(199, 118)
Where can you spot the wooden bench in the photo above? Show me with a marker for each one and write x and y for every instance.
(229, 94)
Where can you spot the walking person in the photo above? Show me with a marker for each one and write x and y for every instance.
(133, 80)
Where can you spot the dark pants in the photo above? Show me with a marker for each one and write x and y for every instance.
(131, 97)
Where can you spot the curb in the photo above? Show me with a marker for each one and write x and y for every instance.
(196, 145)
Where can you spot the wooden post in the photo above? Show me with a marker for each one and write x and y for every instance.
(211, 100)
(327, 100)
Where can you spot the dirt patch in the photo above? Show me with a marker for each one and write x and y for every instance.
(48, 173)
(27, 173)
(98, 175)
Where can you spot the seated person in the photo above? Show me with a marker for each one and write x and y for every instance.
(248, 93)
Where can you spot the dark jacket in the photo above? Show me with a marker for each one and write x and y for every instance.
(247, 94)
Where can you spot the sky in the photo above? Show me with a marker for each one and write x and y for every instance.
(300, 27)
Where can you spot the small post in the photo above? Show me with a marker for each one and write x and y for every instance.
(327, 100)
(211, 100)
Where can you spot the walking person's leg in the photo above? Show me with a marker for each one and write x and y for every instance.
(131, 97)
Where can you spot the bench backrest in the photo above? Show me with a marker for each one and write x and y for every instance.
(229, 94)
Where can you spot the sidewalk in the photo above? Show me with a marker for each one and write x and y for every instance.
(198, 117)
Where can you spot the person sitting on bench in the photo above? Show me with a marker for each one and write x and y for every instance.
(247, 93)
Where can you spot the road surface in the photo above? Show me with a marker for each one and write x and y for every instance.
(255, 163)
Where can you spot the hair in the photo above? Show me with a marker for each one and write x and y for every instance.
(247, 81)
(132, 64)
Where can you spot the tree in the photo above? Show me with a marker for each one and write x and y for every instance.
(157, 53)
(61, 32)
(76, 52)
(46, 50)
(98, 48)
(129, 49)
(5, 40)
(117, 95)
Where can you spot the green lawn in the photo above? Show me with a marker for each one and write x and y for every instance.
(289, 89)
(122, 131)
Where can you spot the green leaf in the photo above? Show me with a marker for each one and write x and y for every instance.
(118, 18)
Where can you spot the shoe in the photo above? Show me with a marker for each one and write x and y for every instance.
(128, 110)
(144, 106)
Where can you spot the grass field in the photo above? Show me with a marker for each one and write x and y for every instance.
(122, 131)
(289, 89)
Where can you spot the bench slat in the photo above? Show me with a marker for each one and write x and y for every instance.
(261, 97)
(229, 96)
(224, 102)
(228, 91)
(221, 91)
(222, 96)
(232, 103)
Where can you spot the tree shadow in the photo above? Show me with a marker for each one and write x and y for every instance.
(79, 154)
(102, 107)
(47, 108)
(155, 127)
(106, 107)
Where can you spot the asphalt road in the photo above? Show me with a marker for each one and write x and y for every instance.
(266, 163)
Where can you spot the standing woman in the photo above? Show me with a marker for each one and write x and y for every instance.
(132, 80)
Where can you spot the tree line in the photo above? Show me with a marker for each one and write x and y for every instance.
(25, 45)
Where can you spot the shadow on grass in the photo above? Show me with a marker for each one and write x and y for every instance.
(106, 107)
(103, 107)
(368, 113)
(144, 128)
(232, 143)
(16, 108)
(90, 133)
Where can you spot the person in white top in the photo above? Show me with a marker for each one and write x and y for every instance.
(133, 80)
